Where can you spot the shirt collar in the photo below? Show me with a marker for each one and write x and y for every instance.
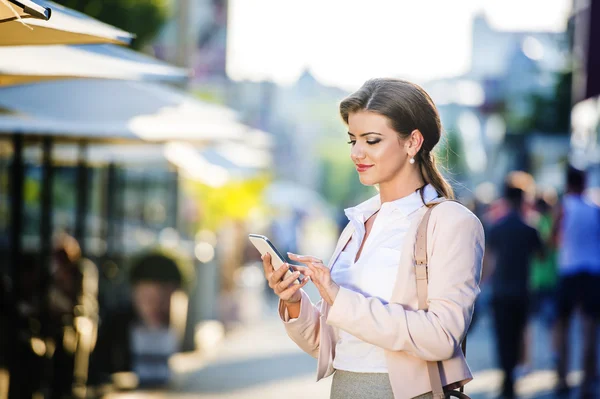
(405, 205)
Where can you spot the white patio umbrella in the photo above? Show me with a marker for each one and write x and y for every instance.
(26, 64)
(105, 110)
(65, 26)
(14, 9)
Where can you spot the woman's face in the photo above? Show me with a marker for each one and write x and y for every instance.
(377, 150)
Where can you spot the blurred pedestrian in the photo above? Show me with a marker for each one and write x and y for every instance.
(577, 232)
(63, 296)
(372, 329)
(139, 337)
(511, 245)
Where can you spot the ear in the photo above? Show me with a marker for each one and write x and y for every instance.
(414, 143)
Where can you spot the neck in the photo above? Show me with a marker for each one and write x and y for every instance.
(400, 187)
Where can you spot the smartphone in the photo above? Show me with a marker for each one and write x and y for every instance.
(264, 245)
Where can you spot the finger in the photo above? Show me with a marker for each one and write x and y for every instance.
(283, 285)
(282, 271)
(320, 267)
(308, 272)
(304, 258)
(267, 266)
(301, 269)
(287, 294)
(312, 267)
(277, 275)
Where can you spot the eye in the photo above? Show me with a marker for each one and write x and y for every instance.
(373, 142)
(352, 142)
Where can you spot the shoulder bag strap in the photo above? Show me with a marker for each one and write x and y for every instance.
(421, 273)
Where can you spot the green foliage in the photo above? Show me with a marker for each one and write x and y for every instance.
(448, 155)
(236, 200)
(144, 18)
(552, 114)
(548, 114)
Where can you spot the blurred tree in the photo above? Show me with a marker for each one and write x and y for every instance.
(553, 114)
(545, 113)
(144, 18)
(233, 201)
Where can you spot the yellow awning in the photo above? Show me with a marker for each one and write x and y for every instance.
(15, 9)
(65, 26)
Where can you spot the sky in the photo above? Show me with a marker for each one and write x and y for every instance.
(345, 42)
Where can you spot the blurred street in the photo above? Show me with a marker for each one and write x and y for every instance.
(143, 141)
(258, 360)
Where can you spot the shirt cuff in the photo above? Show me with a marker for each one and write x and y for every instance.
(283, 311)
(286, 316)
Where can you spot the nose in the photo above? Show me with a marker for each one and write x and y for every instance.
(357, 153)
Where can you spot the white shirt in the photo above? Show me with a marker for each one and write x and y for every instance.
(375, 272)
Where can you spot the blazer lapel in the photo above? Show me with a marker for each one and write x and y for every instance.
(344, 238)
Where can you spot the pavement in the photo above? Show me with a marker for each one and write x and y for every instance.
(256, 360)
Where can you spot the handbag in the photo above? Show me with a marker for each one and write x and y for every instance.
(422, 279)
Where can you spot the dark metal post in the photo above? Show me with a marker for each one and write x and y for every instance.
(82, 197)
(17, 175)
(109, 209)
(175, 199)
(46, 204)
(120, 210)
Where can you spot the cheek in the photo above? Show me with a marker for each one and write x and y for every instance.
(388, 157)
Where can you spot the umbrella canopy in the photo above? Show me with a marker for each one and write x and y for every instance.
(66, 26)
(14, 9)
(25, 64)
(104, 110)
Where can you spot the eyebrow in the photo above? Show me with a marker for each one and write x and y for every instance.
(366, 134)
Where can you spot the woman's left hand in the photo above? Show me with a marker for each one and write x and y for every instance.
(320, 276)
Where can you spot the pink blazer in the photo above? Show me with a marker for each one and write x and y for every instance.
(409, 336)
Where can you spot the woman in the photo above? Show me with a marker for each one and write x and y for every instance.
(368, 328)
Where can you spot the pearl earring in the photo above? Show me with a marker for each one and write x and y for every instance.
(412, 161)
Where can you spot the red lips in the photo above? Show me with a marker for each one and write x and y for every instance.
(362, 168)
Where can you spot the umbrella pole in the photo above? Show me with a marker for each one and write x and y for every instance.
(47, 180)
(17, 175)
(46, 205)
(16, 232)
(109, 210)
(82, 197)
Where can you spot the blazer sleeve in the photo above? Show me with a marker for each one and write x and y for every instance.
(304, 330)
(455, 259)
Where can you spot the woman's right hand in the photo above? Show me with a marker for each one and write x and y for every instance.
(285, 289)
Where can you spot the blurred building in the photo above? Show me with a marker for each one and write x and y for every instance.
(488, 112)
(584, 29)
(195, 37)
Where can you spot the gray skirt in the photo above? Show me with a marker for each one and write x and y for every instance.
(350, 385)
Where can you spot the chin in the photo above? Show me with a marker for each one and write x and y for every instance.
(366, 181)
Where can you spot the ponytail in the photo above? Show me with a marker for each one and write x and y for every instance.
(432, 175)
